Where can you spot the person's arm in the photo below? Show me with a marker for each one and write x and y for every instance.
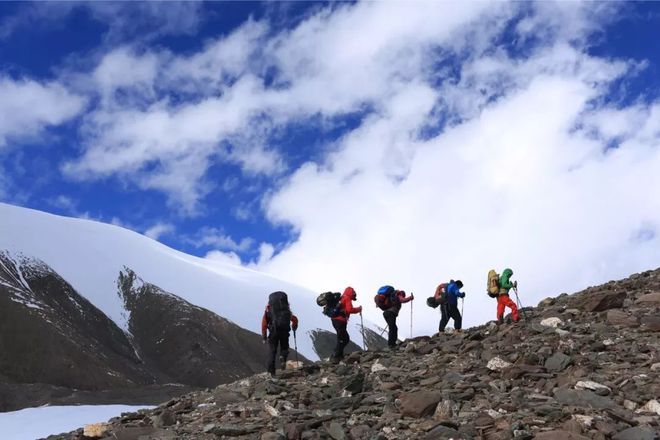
(294, 322)
(349, 309)
(460, 294)
(406, 299)
(505, 283)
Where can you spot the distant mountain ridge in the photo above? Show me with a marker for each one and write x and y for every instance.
(90, 312)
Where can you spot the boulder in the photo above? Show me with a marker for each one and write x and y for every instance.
(599, 302)
(497, 364)
(419, 404)
(649, 298)
(553, 322)
(619, 317)
(636, 433)
(557, 362)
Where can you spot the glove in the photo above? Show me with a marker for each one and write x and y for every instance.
(412, 296)
(295, 327)
(359, 309)
(515, 284)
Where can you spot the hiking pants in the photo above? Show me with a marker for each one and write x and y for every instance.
(281, 339)
(450, 311)
(342, 338)
(505, 301)
(393, 333)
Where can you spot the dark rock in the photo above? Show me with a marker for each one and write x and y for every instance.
(559, 435)
(650, 323)
(600, 302)
(636, 433)
(557, 362)
(419, 404)
(441, 432)
(583, 398)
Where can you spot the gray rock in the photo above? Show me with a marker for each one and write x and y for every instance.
(636, 433)
(583, 398)
(557, 362)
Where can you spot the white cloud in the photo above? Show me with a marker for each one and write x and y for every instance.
(28, 107)
(217, 238)
(224, 257)
(159, 229)
(522, 175)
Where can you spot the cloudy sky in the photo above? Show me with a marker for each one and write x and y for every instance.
(359, 144)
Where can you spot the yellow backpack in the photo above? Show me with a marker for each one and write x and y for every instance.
(493, 287)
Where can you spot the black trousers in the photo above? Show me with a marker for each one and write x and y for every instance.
(277, 339)
(342, 338)
(450, 311)
(393, 333)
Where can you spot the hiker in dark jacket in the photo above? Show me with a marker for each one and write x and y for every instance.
(391, 305)
(450, 308)
(503, 299)
(340, 322)
(275, 330)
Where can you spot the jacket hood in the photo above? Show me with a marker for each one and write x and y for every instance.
(349, 292)
(507, 272)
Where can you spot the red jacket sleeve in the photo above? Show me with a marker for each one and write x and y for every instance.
(403, 298)
(294, 322)
(264, 324)
(348, 306)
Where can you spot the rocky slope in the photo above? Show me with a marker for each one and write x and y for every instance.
(584, 366)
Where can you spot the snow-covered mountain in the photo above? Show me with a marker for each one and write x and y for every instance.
(130, 309)
(90, 255)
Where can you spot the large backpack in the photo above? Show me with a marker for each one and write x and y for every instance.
(493, 287)
(330, 303)
(280, 313)
(385, 298)
(438, 300)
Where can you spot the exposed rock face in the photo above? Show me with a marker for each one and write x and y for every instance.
(603, 384)
(57, 347)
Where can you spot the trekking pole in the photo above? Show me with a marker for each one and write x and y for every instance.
(364, 343)
(384, 330)
(462, 304)
(411, 315)
(295, 347)
(520, 306)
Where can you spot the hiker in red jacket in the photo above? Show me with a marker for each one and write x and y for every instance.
(276, 324)
(340, 322)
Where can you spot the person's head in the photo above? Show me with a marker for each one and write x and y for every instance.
(459, 283)
(351, 293)
(507, 272)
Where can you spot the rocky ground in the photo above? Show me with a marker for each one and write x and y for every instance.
(583, 366)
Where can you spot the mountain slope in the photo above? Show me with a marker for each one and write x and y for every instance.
(90, 255)
(577, 367)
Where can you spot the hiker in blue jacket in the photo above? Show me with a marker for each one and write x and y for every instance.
(450, 308)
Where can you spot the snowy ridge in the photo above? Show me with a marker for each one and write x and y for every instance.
(90, 256)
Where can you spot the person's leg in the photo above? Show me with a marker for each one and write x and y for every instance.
(445, 317)
(284, 349)
(500, 306)
(456, 316)
(393, 333)
(272, 354)
(514, 308)
(342, 339)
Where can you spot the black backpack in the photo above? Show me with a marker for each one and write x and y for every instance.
(280, 313)
(330, 303)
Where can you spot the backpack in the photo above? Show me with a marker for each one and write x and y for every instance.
(441, 299)
(385, 298)
(330, 303)
(493, 286)
(279, 312)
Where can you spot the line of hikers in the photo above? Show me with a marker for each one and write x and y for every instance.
(278, 320)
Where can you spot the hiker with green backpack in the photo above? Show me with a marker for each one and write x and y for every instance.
(446, 296)
(498, 287)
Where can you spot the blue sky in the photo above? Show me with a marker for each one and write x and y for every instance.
(344, 142)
